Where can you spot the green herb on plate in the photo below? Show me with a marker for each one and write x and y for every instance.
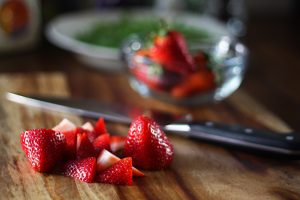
(112, 34)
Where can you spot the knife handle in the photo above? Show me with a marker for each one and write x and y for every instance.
(244, 137)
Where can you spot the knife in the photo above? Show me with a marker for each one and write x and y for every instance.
(247, 138)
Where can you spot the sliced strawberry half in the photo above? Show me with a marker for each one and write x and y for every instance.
(117, 143)
(43, 148)
(107, 159)
(102, 142)
(100, 127)
(148, 145)
(120, 173)
(83, 170)
(84, 147)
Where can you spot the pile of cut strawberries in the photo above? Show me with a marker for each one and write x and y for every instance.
(166, 65)
(90, 154)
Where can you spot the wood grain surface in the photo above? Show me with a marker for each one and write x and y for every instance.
(199, 171)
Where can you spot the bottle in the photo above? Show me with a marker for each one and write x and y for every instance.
(19, 25)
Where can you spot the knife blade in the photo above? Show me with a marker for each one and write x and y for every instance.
(248, 138)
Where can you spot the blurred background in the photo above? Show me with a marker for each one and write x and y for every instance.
(270, 29)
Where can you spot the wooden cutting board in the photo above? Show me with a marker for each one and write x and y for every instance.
(199, 171)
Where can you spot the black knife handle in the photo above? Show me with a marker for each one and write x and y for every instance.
(241, 136)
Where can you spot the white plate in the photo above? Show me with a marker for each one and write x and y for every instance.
(63, 30)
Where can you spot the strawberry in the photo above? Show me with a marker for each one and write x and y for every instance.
(200, 60)
(92, 135)
(71, 139)
(148, 145)
(100, 127)
(197, 82)
(117, 143)
(90, 130)
(88, 126)
(151, 73)
(84, 147)
(43, 148)
(83, 170)
(67, 128)
(107, 159)
(64, 125)
(102, 142)
(171, 51)
(120, 173)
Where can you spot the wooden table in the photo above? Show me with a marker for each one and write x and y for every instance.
(199, 170)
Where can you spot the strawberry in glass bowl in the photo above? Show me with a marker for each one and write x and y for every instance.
(166, 67)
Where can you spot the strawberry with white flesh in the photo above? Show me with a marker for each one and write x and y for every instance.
(171, 51)
(67, 128)
(43, 148)
(100, 127)
(102, 142)
(64, 125)
(83, 170)
(120, 173)
(84, 148)
(148, 145)
(90, 130)
(88, 126)
(107, 159)
(117, 143)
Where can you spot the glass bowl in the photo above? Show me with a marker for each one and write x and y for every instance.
(225, 68)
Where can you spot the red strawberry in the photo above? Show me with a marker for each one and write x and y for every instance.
(83, 170)
(43, 148)
(117, 143)
(119, 173)
(171, 51)
(200, 81)
(100, 127)
(152, 74)
(84, 147)
(148, 145)
(200, 60)
(90, 130)
(67, 128)
(92, 135)
(107, 159)
(102, 142)
(71, 138)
